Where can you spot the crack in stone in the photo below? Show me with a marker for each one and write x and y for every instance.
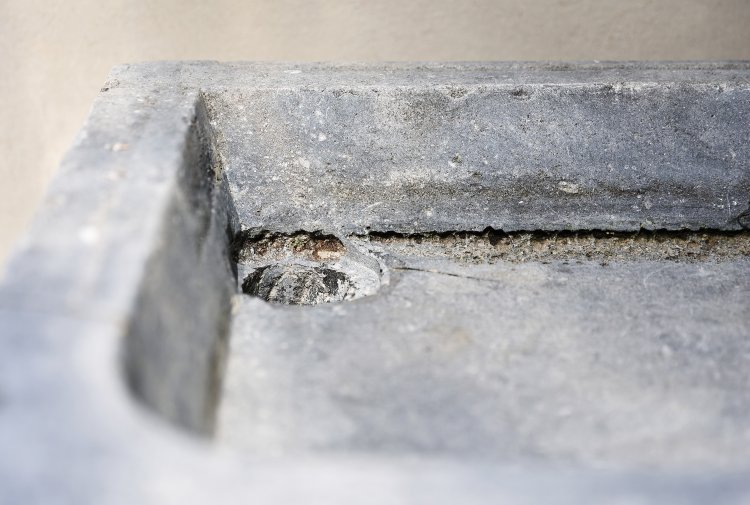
(450, 274)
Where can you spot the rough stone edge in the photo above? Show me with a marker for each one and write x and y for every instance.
(88, 280)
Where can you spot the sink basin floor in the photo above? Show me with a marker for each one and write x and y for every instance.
(623, 364)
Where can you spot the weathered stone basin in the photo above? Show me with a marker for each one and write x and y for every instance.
(398, 283)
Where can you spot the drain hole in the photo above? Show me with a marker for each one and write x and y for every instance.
(305, 268)
(299, 284)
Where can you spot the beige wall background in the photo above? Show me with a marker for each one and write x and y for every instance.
(56, 53)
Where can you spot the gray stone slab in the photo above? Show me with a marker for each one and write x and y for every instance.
(472, 366)
(530, 148)
(638, 364)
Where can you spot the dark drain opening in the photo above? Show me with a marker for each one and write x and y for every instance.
(298, 284)
(304, 268)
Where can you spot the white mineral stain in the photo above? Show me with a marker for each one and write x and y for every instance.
(568, 187)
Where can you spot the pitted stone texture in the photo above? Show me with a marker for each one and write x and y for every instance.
(530, 148)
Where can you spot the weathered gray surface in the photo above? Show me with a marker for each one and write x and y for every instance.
(641, 364)
(115, 310)
(529, 148)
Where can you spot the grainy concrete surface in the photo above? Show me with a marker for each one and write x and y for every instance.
(464, 147)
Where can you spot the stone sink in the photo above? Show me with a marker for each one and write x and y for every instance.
(486, 283)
